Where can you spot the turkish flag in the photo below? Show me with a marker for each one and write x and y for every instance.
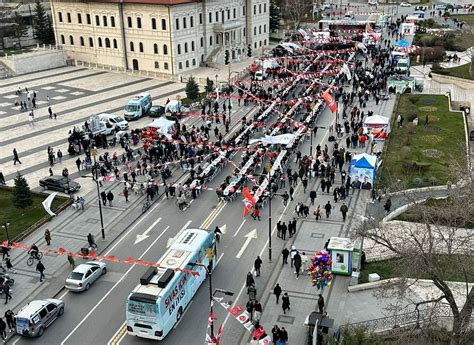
(330, 101)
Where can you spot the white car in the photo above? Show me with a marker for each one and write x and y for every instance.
(115, 121)
(82, 277)
(405, 4)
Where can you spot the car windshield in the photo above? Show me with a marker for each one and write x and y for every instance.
(76, 276)
(62, 181)
(131, 108)
(118, 119)
(402, 64)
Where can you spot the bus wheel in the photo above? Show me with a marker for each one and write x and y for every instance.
(179, 314)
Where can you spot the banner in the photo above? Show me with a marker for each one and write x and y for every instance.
(330, 101)
(277, 139)
(47, 204)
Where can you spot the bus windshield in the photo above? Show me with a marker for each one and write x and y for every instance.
(131, 108)
(142, 307)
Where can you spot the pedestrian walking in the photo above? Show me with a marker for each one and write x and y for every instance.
(283, 231)
(249, 307)
(277, 292)
(279, 229)
(312, 196)
(3, 327)
(5, 251)
(258, 309)
(293, 252)
(297, 263)
(10, 318)
(257, 265)
(70, 259)
(285, 253)
(305, 184)
(317, 213)
(249, 281)
(50, 112)
(47, 237)
(344, 209)
(125, 193)
(103, 196)
(275, 334)
(15, 157)
(283, 336)
(40, 268)
(6, 291)
(78, 164)
(321, 304)
(328, 208)
(110, 197)
(285, 302)
(9, 265)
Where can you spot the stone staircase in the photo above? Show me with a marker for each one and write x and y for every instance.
(213, 58)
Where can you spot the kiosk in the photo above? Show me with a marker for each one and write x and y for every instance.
(341, 250)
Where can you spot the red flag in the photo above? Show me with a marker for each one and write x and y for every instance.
(330, 101)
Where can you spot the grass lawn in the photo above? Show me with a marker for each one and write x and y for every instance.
(421, 155)
(459, 71)
(468, 18)
(386, 269)
(20, 220)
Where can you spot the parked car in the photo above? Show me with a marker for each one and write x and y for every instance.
(59, 183)
(421, 8)
(156, 111)
(84, 275)
(116, 121)
(405, 4)
(36, 316)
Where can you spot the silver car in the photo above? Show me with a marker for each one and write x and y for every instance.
(36, 316)
(82, 277)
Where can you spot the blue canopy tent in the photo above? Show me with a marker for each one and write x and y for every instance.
(403, 43)
(362, 171)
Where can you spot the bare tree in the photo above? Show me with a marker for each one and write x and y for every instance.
(441, 239)
(296, 10)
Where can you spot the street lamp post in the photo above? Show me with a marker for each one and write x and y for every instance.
(270, 227)
(96, 178)
(5, 226)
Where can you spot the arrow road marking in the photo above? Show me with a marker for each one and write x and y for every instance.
(250, 236)
(144, 236)
(224, 228)
(172, 239)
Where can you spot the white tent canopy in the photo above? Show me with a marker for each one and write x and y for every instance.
(376, 121)
(163, 126)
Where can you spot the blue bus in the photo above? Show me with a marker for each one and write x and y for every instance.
(158, 302)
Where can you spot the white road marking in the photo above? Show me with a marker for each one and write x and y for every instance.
(16, 340)
(64, 294)
(240, 227)
(220, 257)
(184, 313)
(250, 236)
(144, 236)
(115, 334)
(172, 239)
(112, 289)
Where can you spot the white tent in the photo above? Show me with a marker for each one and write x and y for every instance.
(163, 126)
(376, 121)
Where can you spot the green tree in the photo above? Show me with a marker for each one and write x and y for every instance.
(275, 16)
(22, 197)
(20, 28)
(42, 24)
(192, 89)
(209, 85)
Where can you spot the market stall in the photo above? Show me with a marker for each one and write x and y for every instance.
(378, 127)
(362, 171)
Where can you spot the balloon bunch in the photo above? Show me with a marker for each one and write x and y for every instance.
(320, 269)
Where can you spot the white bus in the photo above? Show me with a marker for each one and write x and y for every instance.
(158, 302)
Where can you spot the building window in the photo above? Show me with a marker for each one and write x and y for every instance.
(244, 11)
(177, 23)
(112, 21)
(194, 62)
(180, 65)
(200, 18)
(265, 28)
(255, 45)
(115, 44)
(79, 18)
(60, 16)
(100, 42)
(165, 65)
(71, 40)
(255, 31)
(187, 63)
(210, 40)
(259, 29)
(228, 14)
(165, 50)
(132, 47)
(217, 16)
(265, 42)
(179, 49)
(191, 21)
(81, 39)
(192, 46)
(210, 17)
(202, 42)
(184, 23)
(140, 47)
(104, 19)
(264, 8)
(186, 47)
(155, 48)
(260, 9)
(129, 20)
(91, 42)
(153, 23)
(88, 18)
(259, 43)
(107, 42)
(139, 23)
(243, 32)
(217, 39)
(163, 24)
(254, 9)
(157, 65)
(97, 21)
(63, 41)
(235, 13)
(69, 17)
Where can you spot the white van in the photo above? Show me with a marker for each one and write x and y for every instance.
(116, 121)
(403, 65)
(36, 316)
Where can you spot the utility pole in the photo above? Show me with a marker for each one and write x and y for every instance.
(96, 178)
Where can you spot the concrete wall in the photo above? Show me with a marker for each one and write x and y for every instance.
(446, 79)
(35, 61)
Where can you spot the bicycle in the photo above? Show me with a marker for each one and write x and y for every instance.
(34, 256)
(146, 206)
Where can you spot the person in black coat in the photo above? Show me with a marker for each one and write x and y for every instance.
(249, 281)
(285, 302)
(258, 264)
(277, 292)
